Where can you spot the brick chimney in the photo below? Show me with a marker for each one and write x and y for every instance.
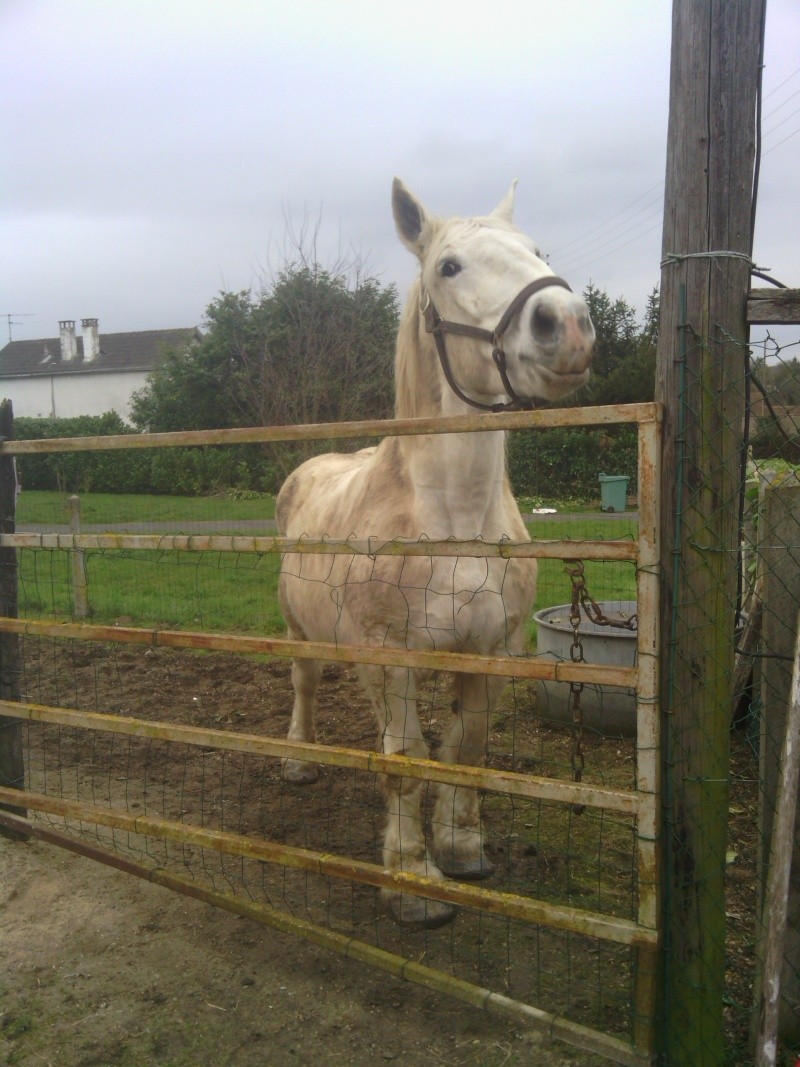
(91, 340)
(69, 342)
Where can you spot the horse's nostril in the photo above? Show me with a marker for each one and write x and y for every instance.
(585, 324)
(544, 322)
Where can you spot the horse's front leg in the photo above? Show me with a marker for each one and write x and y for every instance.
(393, 694)
(457, 833)
(305, 679)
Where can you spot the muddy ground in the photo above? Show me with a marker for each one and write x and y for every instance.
(99, 968)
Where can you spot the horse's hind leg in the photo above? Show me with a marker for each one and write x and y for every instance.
(393, 694)
(305, 679)
(457, 834)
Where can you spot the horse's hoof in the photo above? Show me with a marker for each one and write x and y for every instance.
(474, 869)
(300, 772)
(407, 910)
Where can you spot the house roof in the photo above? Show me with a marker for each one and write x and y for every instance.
(140, 351)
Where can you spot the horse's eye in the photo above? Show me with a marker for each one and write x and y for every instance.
(449, 268)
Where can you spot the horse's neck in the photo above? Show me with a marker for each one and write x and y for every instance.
(458, 479)
(458, 484)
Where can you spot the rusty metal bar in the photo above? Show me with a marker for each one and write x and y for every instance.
(329, 431)
(647, 718)
(453, 662)
(498, 781)
(12, 758)
(553, 1026)
(557, 916)
(647, 729)
(641, 934)
(624, 551)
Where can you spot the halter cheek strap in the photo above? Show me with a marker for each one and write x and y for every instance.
(438, 326)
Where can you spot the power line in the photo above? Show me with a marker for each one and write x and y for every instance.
(615, 248)
(584, 250)
(783, 103)
(785, 139)
(779, 124)
(608, 223)
(610, 229)
(618, 230)
(780, 85)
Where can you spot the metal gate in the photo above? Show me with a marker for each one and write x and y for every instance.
(51, 788)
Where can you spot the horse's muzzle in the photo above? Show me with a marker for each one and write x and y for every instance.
(563, 332)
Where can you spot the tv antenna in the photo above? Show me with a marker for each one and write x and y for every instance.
(11, 316)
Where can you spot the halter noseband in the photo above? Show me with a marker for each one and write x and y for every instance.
(439, 327)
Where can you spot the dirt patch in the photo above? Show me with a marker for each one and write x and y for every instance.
(100, 969)
(106, 969)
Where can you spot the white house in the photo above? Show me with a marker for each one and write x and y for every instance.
(65, 376)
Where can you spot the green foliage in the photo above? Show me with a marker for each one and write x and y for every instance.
(564, 463)
(777, 431)
(79, 472)
(316, 346)
(777, 438)
(780, 381)
(190, 471)
(624, 365)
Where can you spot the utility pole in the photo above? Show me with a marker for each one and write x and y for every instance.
(703, 349)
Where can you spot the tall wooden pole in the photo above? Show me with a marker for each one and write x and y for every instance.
(716, 48)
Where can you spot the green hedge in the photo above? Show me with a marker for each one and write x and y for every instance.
(557, 464)
(176, 471)
(564, 464)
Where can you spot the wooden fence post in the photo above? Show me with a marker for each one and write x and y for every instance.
(77, 564)
(778, 896)
(12, 768)
(703, 335)
(779, 572)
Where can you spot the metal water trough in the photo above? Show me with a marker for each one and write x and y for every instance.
(609, 709)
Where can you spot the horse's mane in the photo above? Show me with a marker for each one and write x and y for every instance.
(417, 382)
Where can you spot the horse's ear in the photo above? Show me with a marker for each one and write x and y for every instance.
(505, 209)
(409, 217)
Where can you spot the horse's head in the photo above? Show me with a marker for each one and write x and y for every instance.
(505, 326)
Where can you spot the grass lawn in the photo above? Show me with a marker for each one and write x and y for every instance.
(226, 591)
(42, 508)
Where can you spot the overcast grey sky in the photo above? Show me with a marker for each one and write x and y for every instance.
(153, 151)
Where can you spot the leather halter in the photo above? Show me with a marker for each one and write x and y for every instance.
(439, 327)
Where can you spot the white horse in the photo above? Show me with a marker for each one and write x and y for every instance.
(517, 332)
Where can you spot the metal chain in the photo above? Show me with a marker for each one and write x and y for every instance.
(577, 760)
(594, 612)
(582, 598)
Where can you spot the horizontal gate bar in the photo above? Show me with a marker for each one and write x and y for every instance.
(557, 916)
(498, 781)
(553, 1026)
(451, 662)
(603, 550)
(328, 431)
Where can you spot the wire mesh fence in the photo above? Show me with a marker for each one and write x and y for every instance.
(770, 602)
(101, 676)
(731, 669)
